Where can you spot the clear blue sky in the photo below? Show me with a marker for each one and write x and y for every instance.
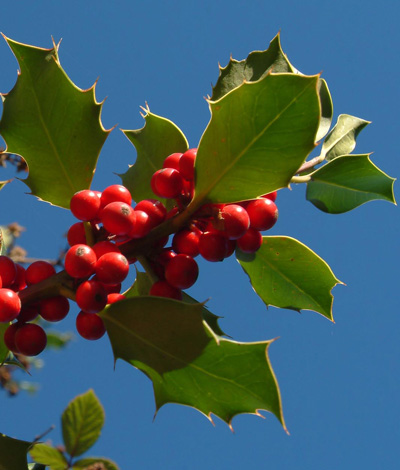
(339, 382)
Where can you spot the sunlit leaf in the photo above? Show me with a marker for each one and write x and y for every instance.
(287, 274)
(50, 456)
(84, 463)
(326, 109)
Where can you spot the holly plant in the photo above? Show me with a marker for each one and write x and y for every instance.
(178, 204)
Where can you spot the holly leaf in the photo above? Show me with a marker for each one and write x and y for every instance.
(348, 182)
(47, 455)
(13, 453)
(341, 140)
(257, 65)
(154, 142)
(189, 365)
(258, 136)
(84, 463)
(326, 108)
(82, 422)
(52, 124)
(287, 274)
(3, 347)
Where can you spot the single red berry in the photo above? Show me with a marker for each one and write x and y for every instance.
(187, 242)
(115, 193)
(263, 214)
(19, 281)
(164, 256)
(105, 246)
(76, 234)
(85, 205)
(172, 161)
(142, 225)
(80, 261)
(10, 305)
(236, 221)
(30, 339)
(9, 337)
(164, 289)
(213, 246)
(38, 271)
(91, 296)
(181, 271)
(272, 196)
(167, 183)
(90, 326)
(112, 298)
(155, 210)
(251, 241)
(110, 288)
(8, 270)
(54, 308)
(118, 218)
(112, 268)
(186, 164)
(28, 313)
(231, 248)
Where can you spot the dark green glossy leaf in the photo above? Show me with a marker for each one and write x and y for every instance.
(154, 142)
(82, 422)
(13, 453)
(84, 463)
(52, 124)
(341, 140)
(287, 274)
(347, 182)
(3, 347)
(256, 66)
(47, 455)
(259, 135)
(169, 341)
(326, 109)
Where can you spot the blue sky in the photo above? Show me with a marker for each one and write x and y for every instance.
(339, 382)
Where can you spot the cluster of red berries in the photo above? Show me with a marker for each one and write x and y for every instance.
(95, 259)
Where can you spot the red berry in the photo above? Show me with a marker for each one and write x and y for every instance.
(91, 296)
(251, 241)
(187, 242)
(80, 261)
(19, 281)
(54, 308)
(110, 288)
(115, 193)
(186, 164)
(8, 270)
(9, 337)
(181, 271)
(263, 214)
(167, 183)
(213, 246)
(142, 225)
(103, 247)
(118, 218)
(30, 339)
(76, 234)
(112, 268)
(90, 326)
(155, 210)
(172, 161)
(28, 313)
(85, 205)
(272, 196)
(112, 298)
(164, 289)
(10, 305)
(236, 221)
(38, 271)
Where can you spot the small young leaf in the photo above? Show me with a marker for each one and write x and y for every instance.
(52, 124)
(154, 142)
(188, 364)
(57, 340)
(85, 463)
(341, 140)
(256, 66)
(259, 135)
(287, 274)
(82, 421)
(47, 455)
(347, 182)
(13, 453)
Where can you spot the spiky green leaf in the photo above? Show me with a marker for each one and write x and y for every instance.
(13, 453)
(258, 136)
(347, 182)
(50, 456)
(287, 274)
(52, 124)
(82, 422)
(341, 140)
(154, 142)
(169, 341)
